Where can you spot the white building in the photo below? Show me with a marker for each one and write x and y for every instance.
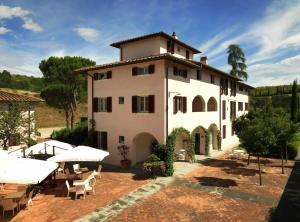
(157, 87)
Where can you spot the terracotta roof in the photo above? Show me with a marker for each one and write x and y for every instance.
(167, 56)
(138, 60)
(12, 97)
(163, 34)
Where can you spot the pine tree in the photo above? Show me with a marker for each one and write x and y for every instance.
(294, 101)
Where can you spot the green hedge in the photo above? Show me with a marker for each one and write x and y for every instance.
(76, 136)
(207, 140)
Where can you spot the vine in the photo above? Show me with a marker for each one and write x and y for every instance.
(207, 140)
(219, 138)
(171, 141)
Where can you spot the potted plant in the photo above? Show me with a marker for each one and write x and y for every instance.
(123, 149)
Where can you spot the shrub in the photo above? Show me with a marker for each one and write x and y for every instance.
(76, 136)
(154, 167)
(31, 142)
(160, 150)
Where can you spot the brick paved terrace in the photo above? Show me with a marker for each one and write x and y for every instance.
(223, 189)
(52, 205)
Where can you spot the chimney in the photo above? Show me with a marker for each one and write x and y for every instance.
(174, 35)
(204, 60)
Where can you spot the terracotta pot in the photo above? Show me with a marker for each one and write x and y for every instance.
(125, 163)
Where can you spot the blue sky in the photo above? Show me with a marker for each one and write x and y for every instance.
(268, 31)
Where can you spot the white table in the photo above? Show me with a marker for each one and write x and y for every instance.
(79, 182)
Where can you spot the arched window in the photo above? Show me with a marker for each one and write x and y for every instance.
(212, 104)
(198, 104)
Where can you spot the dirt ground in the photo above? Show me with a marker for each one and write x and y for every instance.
(52, 205)
(225, 189)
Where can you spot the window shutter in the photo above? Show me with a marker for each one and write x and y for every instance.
(95, 104)
(175, 101)
(134, 104)
(184, 73)
(95, 139)
(175, 72)
(151, 69)
(109, 104)
(184, 104)
(172, 47)
(95, 76)
(151, 104)
(134, 71)
(224, 131)
(109, 74)
(224, 109)
(104, 140)
(187, 54)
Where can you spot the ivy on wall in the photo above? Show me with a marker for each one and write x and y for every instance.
(171, 142)
(207, 139)
(219, 138)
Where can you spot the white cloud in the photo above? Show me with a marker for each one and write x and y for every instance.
(3, 30)
(88, 34)
(7, 12)
(31, 25)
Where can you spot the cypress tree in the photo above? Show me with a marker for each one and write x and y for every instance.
(294, 101)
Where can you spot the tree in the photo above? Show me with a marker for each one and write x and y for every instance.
(237, 60)
(294, 102)
(12, 122)
(52, 94)
(61, 71)
(257, 138)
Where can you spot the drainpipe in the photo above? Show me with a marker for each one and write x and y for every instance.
(167, 102)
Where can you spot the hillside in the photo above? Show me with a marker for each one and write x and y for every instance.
(47, 116)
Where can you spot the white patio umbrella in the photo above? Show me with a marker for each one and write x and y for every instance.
(24, 170)
(80, 153)
(8, 154)
(47, 147)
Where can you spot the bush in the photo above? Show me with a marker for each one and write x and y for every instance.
(160, 150)
(31, 142)
(76, 136)
(154, 167)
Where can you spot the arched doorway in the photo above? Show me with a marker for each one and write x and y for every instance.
(212, 105)
(182, 143)
(213, 129)
(200, 141)
(142, 144)
(198, 104)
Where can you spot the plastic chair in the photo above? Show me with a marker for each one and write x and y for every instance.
(70, 189)
(8, 205)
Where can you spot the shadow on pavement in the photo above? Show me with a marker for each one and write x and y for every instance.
(288, 208)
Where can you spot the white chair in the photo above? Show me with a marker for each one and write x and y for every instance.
(70, 189)
(90, 186)
(80, 190)
(8, 205)
(27, 201)
(97, 173)
(76, 167)
(61, 168)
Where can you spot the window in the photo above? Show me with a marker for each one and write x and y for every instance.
(212, 79)
(224, 86)
(224, 131)
(180, 72)
(178, 49)
(232, 88)
(240, 106)
(143, 104)
(187, 54)
(241, 88)
(223, 109)
(103, 75)
(179, 104)
(199, 74)
(103, 104)
(121, 100)
(102, 140)
(143, 70)
(121, 139)
(246, 107)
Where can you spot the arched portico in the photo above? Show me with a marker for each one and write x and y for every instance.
(142, 144)
(198, 104)
(213, 129)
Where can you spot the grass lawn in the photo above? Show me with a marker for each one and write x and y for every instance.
(47, 116)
